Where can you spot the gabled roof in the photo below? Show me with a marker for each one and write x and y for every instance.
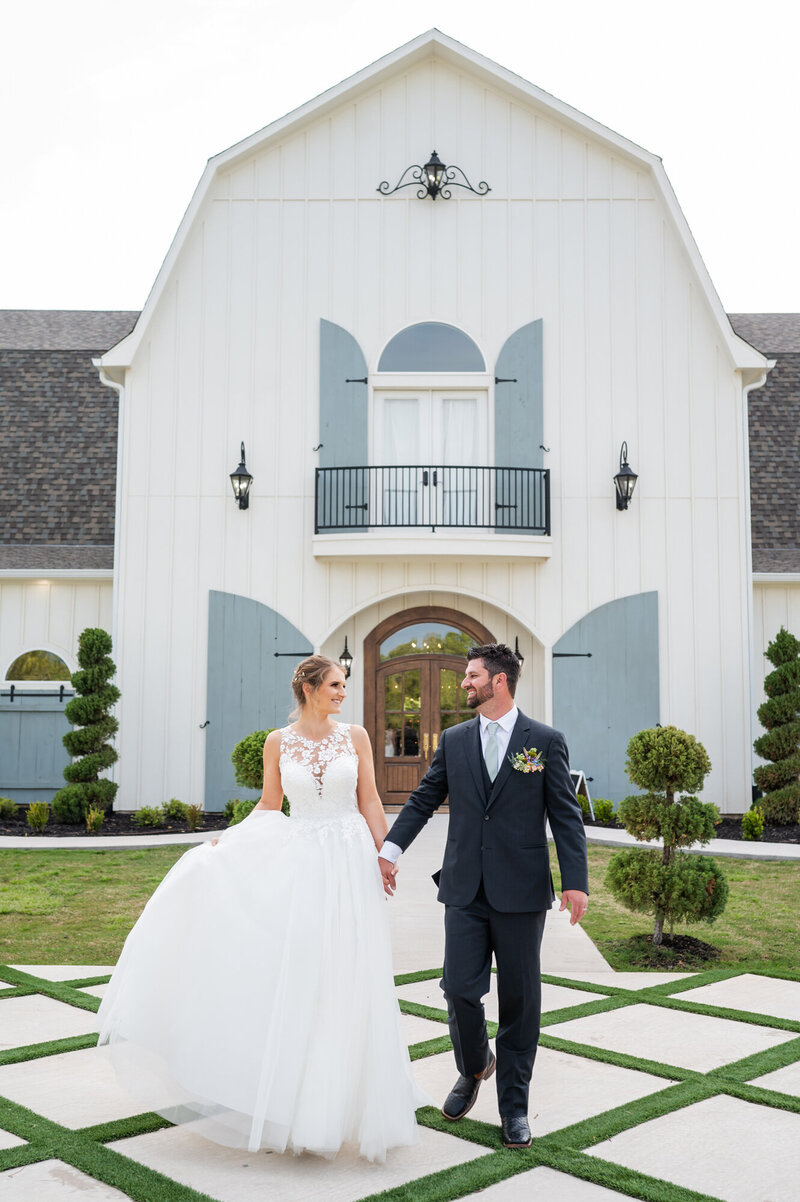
(434, 44)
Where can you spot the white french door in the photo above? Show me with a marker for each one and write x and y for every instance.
(431, 441)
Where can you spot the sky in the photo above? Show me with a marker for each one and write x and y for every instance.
(108, 113)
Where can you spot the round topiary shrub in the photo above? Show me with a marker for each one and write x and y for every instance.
(248, 760)
(94, 726)
(248, 767)
(668, 883)
(780, 717)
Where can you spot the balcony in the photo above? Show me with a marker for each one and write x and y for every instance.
(430, 509)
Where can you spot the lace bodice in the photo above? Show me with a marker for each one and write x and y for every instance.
(319, 777)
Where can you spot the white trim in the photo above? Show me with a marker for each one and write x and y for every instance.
(433, 44)
(776, 577)
(425, 589)
(426, 544)
(431, 379)
(47, 574)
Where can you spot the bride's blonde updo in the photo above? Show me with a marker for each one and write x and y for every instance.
(311, 671)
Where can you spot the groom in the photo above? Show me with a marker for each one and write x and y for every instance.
(495, 881)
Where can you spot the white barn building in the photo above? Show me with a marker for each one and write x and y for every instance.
(433, 396)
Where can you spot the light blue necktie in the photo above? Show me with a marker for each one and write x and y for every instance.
(490, 754)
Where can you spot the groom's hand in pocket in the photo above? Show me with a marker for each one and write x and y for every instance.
(388, 875)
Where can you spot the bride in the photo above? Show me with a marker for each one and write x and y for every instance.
(254, 999)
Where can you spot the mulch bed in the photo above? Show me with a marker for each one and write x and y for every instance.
(729, 828)
(675, 953)
(116, 823)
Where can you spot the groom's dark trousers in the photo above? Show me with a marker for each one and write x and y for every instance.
(496, 885)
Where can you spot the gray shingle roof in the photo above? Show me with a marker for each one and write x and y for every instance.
(63, 329)
(770, 333)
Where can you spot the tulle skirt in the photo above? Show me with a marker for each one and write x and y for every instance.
(254, 998)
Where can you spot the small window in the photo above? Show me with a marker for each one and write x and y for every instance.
(38, 665)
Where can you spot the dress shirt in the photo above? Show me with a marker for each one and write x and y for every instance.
(505, 725)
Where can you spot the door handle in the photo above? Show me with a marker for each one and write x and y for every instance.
(424, 479)
(435, 743)
(426, 745)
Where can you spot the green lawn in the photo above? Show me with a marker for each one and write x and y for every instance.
(756, 931)
(76, 907)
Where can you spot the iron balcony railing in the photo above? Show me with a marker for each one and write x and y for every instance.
(505, 499)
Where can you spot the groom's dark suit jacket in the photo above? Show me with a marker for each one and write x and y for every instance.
(497, 830)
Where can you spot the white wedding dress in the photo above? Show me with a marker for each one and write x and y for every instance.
(254, 997)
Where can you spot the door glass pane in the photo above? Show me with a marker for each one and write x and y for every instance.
(399, 455)
(393, 689)
(393, 735)
(410, 735)
(453, 706)
(412, 699)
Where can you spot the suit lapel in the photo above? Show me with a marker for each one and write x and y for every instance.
(475, 757)
(516, 743)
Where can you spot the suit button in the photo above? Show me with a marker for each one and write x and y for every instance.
(486, 818)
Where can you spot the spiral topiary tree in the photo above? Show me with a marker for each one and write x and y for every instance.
(780, 717)
(668, 883)
(94, 727)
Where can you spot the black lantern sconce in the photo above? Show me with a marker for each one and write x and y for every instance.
(517, 651)
(346, 660)
(625, 479)
(241, 481)
(434, 179)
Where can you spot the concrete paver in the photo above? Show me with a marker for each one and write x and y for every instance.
(785, 1080)
(76, 1089)
(721, 1146)
(677, 1037)
(544, 1183)
(7, 1140)
(760, 995)
(35, 1018)
(565, 1089)
(234, 1176)
(54, 1181)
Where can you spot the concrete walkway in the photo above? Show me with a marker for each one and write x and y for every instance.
(659, 1086)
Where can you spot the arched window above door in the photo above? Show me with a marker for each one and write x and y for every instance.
(431, 346)
(38, 665)
(426, 638)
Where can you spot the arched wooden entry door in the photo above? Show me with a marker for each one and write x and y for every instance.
(413, 667)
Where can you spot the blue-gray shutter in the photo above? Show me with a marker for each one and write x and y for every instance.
(249, 687)
(599, 703)
(32, 754)
(518, 432)
(342, 494)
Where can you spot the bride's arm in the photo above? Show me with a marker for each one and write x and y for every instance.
(272, 793)
(369, 803)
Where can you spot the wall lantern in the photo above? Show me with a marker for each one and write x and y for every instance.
(241, 481)
(625, 479)
(434, 179)
(517, 651)
(346, 660)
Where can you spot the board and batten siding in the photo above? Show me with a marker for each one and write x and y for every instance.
(572, 235)
(775, 604)
(49, 614)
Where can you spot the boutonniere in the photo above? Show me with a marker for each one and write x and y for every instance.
(527, 760)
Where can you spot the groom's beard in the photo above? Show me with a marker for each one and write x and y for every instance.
(484, 693)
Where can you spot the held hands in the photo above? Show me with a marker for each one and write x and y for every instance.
(388, 874)
(578, 903)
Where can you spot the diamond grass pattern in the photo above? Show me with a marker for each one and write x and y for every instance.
(574, 1151)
